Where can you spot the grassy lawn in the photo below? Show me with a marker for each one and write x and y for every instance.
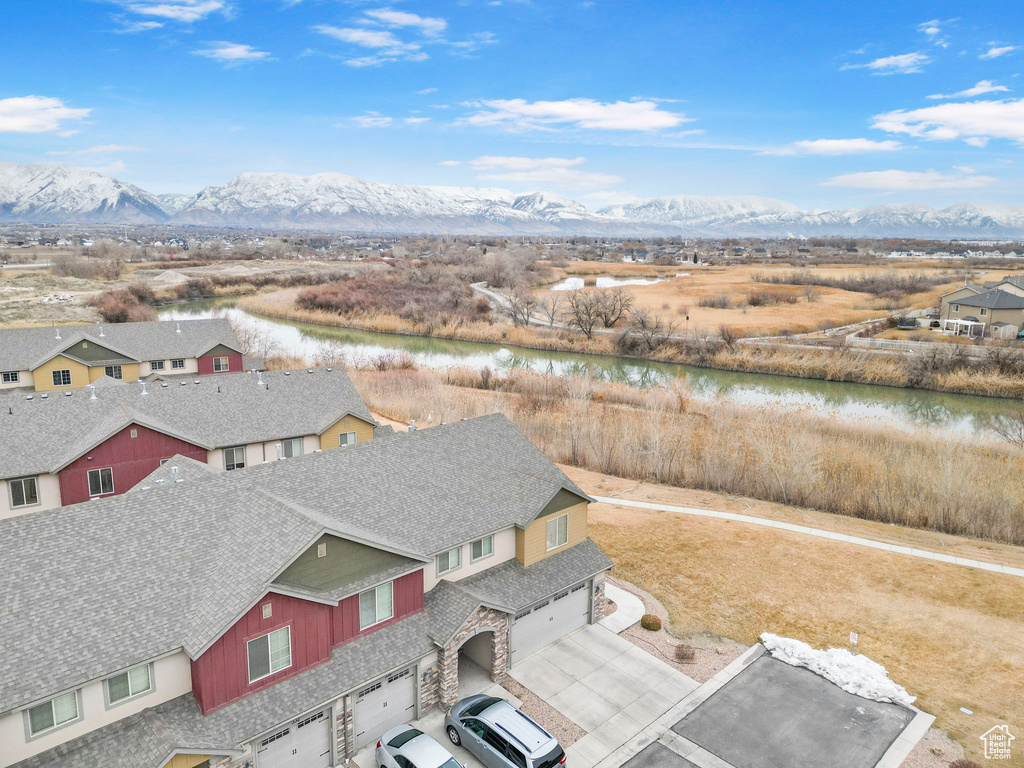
(951, 635)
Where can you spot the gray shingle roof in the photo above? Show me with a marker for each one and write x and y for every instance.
(148, 554)
(994, 299)
(25, 348)
(44, 435)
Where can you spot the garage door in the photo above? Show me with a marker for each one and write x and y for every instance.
(548, 620)
(305, 743)
(389, 702)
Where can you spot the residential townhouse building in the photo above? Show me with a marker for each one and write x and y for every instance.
(287, 614)
(62, 448)
(63, 357)
(994, 309)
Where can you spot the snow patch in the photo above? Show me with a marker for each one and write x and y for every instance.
(854, 674)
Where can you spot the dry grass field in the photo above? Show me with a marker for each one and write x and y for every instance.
(949, 634)
(680, 297)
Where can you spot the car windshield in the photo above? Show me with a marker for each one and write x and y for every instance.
(551, 759)
(477, 707)
(450, 763)
(406, 736)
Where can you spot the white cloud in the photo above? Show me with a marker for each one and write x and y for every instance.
(450, 163)
(974, 122)
(995, 51)
(559, 172)
(36, 114)
(519, 114)
(835, 147)
(425, 91)
(372, 120)
(982, 87)
(131, 27)
(490, 162)
(933, 31)
(392, 18)
(910, 181)
(110, 168)
(416, 120)
(232, 54)
(903, 64)
(186, 11)
(103, 149)
(389, 47)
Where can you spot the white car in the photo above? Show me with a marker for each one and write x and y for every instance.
(407, 747)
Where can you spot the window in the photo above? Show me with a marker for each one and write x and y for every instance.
(983, 312)
(449, 561)
(220, 364)
(291, 448)
(269, 653)
(156, 365)
(62, 378)
(24, 492)
(475, 726)
(11, 377)
(53, 713)
(101, 481)
(113, 371)
(234, 458)
(135, 681)
(481, 548)
(558, 531)
(346, 438)
(179, 363)
(956, 307)
(376, 605)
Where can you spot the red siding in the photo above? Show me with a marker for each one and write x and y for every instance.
(131, 458)
(221, 675)
(206, 363)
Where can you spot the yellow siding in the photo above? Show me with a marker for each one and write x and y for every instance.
(129, 372)
(330, 437)
(531, 542)
(43, 375)
(186, 761)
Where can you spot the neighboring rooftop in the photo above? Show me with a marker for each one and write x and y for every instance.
(23, 349)
(46, 431)
(993, 299)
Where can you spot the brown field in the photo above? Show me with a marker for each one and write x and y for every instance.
(679, 297)
(949, 634)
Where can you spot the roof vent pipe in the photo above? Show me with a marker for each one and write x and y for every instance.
(412, 425)
(259, 377)
(92, 391)
(177, 327)
(101, 332)
(278, 447)
(144, 389)
(56, 328)
(174, 475)
(160, 482)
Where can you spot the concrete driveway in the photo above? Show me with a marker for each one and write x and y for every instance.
(604, 684)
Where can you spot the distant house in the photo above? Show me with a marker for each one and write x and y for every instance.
(974, 310)
(71, 356)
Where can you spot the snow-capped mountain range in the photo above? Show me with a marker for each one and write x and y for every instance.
(56, 193)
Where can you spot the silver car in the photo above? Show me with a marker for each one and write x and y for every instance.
(500, 736)
(407, 747)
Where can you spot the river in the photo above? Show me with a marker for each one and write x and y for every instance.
(904, 409)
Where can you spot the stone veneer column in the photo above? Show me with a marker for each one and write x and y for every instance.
(600, 601)
(482, 620)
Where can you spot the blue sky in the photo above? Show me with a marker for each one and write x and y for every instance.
(821, 104)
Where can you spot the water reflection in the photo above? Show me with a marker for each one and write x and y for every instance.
(885, 406)
(572, 283)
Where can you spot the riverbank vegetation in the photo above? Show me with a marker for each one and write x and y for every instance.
(957, 485)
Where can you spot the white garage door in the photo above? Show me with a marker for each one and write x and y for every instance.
(547, 621)
(305, 743)
(389, 702)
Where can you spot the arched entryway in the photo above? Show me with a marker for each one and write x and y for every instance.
(478, 653)
(476, 664)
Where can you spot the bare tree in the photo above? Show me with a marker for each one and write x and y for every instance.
(728, 334)
(1008, 426)
(550, 306)
(612, 305)
(652, 330)
(518, 306)
(582, 311)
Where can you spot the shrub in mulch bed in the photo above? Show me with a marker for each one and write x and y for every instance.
(685, 653)
(650, 622)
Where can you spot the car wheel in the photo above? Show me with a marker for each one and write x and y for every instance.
(453, 736)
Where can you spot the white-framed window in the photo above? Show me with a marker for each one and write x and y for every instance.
(269, 653)
(156, 365)
(955, 307)
(983, 311)
(376, 605)
(291, 448)
(127, 685)
(234, 458)
(113, 371)
(481, 548)
(558, 531)
(101, 481)
(221, 364)
(449, 561)
(24, 492)
(179, 363)
(11, 377)
(346, 438)
(61, 377)
(53, 713)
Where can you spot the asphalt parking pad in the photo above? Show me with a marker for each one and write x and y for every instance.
(773, 714)
(657, 756)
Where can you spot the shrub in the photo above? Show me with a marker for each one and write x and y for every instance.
(198, 288)
(721, 301)
(142, 293)
(122, 307)
(650, 622)
(685, 652)
(763, 298)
